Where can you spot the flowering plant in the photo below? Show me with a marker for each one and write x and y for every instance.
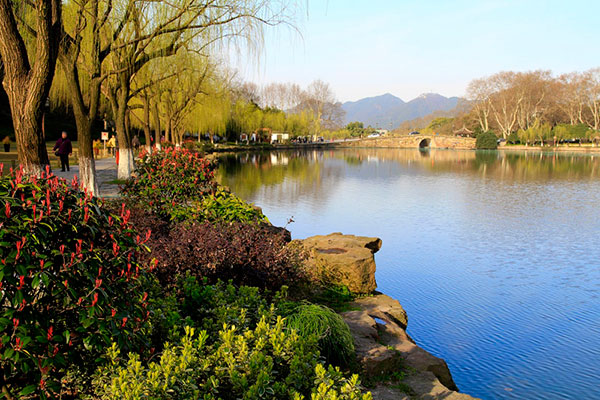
(70, 283)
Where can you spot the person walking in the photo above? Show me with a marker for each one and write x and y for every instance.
(6, 143)
(111, 144)
(136, 142)
(63, 149)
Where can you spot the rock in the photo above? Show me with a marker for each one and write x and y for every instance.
(428, 387)
(344, 260)
(382, 392)
(384, 305)
(383, 348)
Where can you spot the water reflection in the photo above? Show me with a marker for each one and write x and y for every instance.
(306, 168)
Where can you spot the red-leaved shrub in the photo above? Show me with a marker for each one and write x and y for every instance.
(70, 283)
(248, 254)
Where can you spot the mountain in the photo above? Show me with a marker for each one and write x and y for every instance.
(381, 111)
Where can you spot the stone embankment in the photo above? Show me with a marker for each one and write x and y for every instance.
(415, 142)
(378, 323)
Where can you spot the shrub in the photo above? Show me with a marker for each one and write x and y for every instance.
(225, 206)
(169, 178)
(486, 141)
(220, 206)
(254, 255)
(178, 185)
(335, 340)
(70, 283)
(268, 362)
(210, 307)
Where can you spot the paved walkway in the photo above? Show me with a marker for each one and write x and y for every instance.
(106, 171)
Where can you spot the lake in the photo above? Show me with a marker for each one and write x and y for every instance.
(494, 255)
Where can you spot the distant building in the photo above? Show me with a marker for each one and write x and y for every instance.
(382, 131)
(463, 132)
(279, 137)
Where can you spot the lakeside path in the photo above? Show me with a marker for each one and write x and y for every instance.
(106, 171)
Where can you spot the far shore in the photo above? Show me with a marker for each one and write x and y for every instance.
(564, 149)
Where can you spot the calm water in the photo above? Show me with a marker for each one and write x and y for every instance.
(494, 256)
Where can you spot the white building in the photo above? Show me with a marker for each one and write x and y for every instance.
(279, 137)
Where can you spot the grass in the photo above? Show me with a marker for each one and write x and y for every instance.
(335, 340)
(337, 298)
(117, 182)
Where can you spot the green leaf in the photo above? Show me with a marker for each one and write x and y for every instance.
(28, 390)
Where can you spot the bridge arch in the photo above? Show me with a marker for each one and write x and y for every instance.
(424, 143)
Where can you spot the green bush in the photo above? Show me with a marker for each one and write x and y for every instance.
(70, 283)
(268, 362)
(225, 206)
(220, 206)
(212, 306)
(335, 340)
(513, 138)
(486, 141)
(570, 132)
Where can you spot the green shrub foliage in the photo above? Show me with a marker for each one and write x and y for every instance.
(267, 362)
(486, 141)
(70, 283)
(335, 340)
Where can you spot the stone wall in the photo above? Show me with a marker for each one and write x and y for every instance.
(414, 142)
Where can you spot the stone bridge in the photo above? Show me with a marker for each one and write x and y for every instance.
(416, 142)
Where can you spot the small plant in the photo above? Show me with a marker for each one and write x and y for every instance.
(225, 206)
(335, 340)
(268, 362)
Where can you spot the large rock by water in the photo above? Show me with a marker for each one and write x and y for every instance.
(383, 348)
(378, 324)
(343, 259)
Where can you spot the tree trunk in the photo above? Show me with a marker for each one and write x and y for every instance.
(126, 164)
(83, 122)
(157, 131)
(168, 131)
(147, 131)
(26, 84)
(27, 122)
(87, 164)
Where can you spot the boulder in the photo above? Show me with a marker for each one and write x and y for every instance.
(383, 306)
(383, 348)
(344, 260)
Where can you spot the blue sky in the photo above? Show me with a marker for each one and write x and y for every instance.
(408, 47)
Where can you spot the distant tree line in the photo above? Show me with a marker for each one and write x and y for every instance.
(525, 107)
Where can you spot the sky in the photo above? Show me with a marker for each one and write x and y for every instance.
(365, 48)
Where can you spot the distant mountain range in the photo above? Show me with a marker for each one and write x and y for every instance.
(387, 110)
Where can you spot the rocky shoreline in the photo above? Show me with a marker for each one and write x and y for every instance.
(388, 356)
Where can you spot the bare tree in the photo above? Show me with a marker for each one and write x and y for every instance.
(320, 100)
(479, 92)
(592, 97)
(506, 101)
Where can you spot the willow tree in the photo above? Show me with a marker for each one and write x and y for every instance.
(159, 29)
(28, 74)
(82, 49)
